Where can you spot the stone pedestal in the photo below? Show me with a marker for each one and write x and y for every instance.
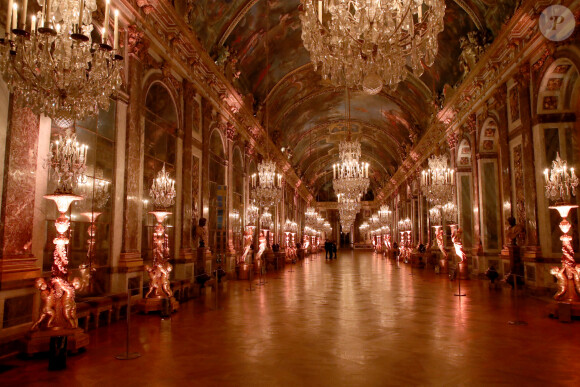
(184, 266)
(147, 305)
(462, 270)
(204, 261)
(245, 271)
(443, 265)
(39, 341)
(511, 258)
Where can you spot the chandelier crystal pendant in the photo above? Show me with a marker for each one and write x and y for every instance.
(54, 67)
(266, 184)
(369, 43)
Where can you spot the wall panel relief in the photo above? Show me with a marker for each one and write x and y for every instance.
(520, 210)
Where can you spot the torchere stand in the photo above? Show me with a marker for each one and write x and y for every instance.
(159, 298)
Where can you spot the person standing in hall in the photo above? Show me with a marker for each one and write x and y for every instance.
(334, 250)
(327, 249)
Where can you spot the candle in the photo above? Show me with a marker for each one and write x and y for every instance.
(104, 32)
(116, 31)
(81, 10)
(420, 12)
(8, 17)
(41, 20)
(24, 10)
(47, 12)
(14, 15)
(320, 11)
(106, 24)
(546, 175)
(33, 25)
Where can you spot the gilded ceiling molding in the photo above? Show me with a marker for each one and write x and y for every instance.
(493, 69)
(473, 13)
(236, 19)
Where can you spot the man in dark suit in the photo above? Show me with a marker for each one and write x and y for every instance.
(327, 249)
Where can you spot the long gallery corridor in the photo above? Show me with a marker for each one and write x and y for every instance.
(358, 320)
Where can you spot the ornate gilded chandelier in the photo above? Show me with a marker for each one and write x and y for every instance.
(252, 214)
(438, 181)
(267, 184)
(67, 162)
(561, 181)
(368, 43)
(385, 214)
(162, 190)
(311, 216)
(347, 210)
(350, 176)
(54, 67)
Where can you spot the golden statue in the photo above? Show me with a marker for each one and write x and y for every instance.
(248, 239)
(47, 304)
(456, 236)
(159, 284)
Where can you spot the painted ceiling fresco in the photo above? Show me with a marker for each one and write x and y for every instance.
(306, 112)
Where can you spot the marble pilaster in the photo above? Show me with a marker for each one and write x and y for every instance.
(185, 251)
(18, 195)
(531, 248)
(503, 157)
(472, 127)
(131, 255)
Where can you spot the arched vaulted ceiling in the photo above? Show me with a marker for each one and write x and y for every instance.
(306, 113)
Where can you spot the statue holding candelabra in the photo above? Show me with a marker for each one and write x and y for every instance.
(561, 183)
(438, 186)
(57, 320)
(162, 193)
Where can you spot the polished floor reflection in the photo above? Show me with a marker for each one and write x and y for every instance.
(360, 320)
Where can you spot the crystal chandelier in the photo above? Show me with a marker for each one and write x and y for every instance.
(97, 189)
(385, 215)
(252, 214)
(405, 224)
(67, 162)
(368, 43)
(163, 189)
(311, 216)
(449, 211)
(438, 181)
(435, 216)
(267, 184)
(54, 68)
(347, 210)
(561, 181)
(350, 177)
(266, 221)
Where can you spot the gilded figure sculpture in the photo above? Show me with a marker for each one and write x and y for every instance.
(47, 304)
(248, 239)
(456, 238)
(200, 233)
(441, 243)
